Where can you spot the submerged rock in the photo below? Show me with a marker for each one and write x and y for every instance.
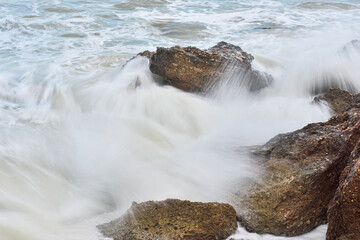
(338, 78)
(301, 174)
(328, 81)
(344, 209)
(339, 100)
(195, 70)
(173, 219)
(350, 47)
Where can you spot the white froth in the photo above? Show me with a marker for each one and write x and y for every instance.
(83, 133)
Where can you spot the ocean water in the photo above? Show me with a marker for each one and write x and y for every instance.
(79, 141)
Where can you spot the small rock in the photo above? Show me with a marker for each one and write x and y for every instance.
(173, 219)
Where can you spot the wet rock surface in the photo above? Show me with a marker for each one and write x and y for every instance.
(339, 100)
(173, 219)
(195, 70)
(301, 174)
(344, 209)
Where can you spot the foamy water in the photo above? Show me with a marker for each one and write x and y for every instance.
(83, 134)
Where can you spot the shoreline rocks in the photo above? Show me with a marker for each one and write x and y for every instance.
(302, 170)
(298, 190)
(339, 100)
(195, 70)
(344, 209)
(173, 219)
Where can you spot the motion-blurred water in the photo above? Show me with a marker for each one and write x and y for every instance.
(79, 141)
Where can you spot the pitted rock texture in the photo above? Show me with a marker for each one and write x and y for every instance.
(339, 100)
(301, 174)
(194, 70)
(344, 209)
(173, 219)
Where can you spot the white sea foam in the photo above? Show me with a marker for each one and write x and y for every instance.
(83, 134)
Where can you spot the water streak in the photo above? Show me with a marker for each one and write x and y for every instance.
(84, 132)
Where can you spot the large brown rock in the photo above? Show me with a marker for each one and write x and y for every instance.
(195, 70)
(339, 100)
(301, 174)
(344, 209)
(173, 219)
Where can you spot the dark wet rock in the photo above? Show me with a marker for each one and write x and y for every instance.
(339, 100)
(344, 209)
(173, 219)
(195, 70)
(301, 174)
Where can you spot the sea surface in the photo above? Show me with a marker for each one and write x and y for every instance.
(79, 142)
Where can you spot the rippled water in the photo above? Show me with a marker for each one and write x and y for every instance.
(79, 142)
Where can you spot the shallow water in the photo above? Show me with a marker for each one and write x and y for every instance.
(80, 140)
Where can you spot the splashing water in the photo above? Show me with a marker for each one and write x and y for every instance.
(84, 133)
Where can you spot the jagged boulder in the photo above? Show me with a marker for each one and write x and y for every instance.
(339, 100)
(301, 174)
(344, 209)
(195, 70)
(173, 219)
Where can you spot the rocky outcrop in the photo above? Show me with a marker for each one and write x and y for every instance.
(195, 70)
(339, 100)
(301, 174)
(344, 210)
(173, 219)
